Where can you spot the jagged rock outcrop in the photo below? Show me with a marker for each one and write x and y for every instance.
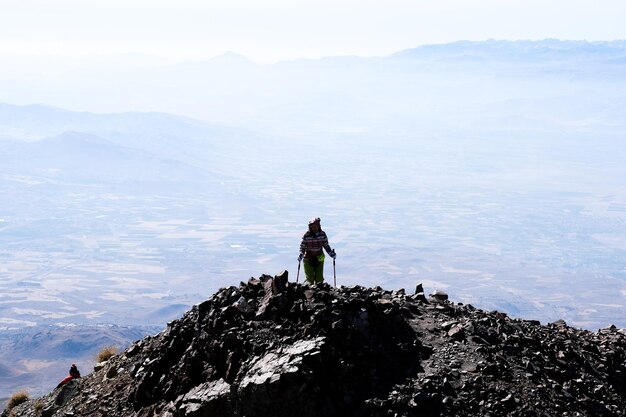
(273, 348)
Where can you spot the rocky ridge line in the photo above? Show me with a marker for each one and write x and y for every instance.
(273, 348)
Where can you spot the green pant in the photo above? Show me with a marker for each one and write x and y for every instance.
(314, 270)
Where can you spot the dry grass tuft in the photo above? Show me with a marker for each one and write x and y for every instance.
(38, 406)
(106, 353)
(17, 399)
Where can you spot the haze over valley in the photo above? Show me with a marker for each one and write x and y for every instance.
(491, 170)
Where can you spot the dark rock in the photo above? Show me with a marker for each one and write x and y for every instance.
(66, 392)
(111, 372)
(420, 297)
(279, 349)
(456, 332)
(133, 350)
(48, 411)
(280, 282)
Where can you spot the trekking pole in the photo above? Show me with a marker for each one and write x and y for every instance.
(334, 273)
(298, 275)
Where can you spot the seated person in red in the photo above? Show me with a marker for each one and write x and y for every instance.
(74, 373)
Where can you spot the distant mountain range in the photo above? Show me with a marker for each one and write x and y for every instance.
(548, 51)
(45, 141)
(334, 93)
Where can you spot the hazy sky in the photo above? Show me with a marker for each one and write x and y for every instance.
(281, 29)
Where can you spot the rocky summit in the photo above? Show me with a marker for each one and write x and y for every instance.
(273, 348)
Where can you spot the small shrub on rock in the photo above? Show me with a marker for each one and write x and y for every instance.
(106, 353)
(17, 399)
(38, 406)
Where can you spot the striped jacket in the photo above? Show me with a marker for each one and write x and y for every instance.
(312, 244)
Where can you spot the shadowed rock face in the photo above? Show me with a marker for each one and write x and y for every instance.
(273, 348)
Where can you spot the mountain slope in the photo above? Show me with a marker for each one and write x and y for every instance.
(36, 358)
(35, 121)
(270, 348)
(84, 157)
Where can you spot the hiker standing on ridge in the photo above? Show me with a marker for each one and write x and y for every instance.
(311, 251)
